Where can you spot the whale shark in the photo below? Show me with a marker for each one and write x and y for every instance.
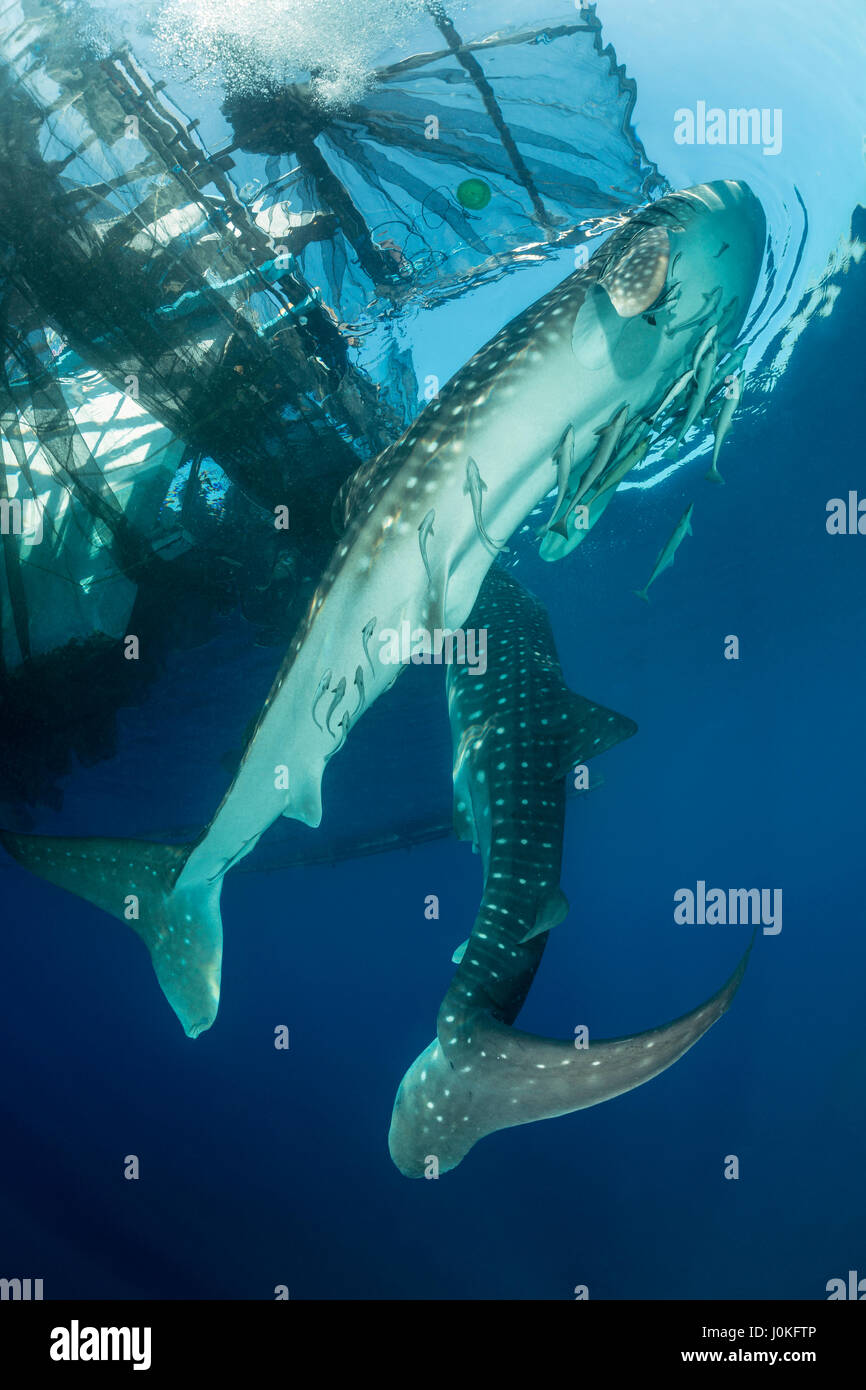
(516, 731)
(426, 521)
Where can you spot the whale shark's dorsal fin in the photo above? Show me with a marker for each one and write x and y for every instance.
(137, 882)
(589, 729)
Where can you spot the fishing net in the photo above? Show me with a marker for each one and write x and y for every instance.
(200, 343)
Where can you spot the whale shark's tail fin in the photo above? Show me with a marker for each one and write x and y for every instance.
(136, 882)
(479, 1076)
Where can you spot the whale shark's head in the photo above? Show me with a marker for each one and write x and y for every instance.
(674, 280)
(718, 252)
(679, 265)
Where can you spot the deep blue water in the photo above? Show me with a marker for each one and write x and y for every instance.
(261, 1167)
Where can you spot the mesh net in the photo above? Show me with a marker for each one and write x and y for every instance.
(191, 338)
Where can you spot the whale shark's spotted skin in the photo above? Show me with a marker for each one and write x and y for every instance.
(612, 337)
(516, 730)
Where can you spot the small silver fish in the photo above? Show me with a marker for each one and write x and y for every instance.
(359, 686)
(668, 551)
(366, 634)
(702, 347)
(679, 385)
(563, 458)
(723, 423)
(607, 442)
(425, 530)
(475, 486)
(621, 467)
(700, 390)
(320, 690)
(339, 692)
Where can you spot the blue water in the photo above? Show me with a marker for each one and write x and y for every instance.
(262, 1167)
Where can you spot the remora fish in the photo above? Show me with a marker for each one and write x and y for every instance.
(607, 442)
(703, 380)
(668, 551)
(581, 352)
(562, 460)
(480, 1074)
(723, 423)
(614, 476)
(606, 487)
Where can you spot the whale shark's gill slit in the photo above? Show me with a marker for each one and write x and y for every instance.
(320, 691)
(339, 692)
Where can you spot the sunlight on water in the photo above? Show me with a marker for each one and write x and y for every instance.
(251, 43)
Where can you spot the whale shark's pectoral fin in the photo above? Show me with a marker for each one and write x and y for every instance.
(552, 910)
(636, 279)
(479, 1076)
(142, 884)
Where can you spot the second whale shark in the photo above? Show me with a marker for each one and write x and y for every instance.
(516, 731)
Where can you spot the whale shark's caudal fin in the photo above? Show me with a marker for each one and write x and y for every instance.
(479, 1076)
(135, 881)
